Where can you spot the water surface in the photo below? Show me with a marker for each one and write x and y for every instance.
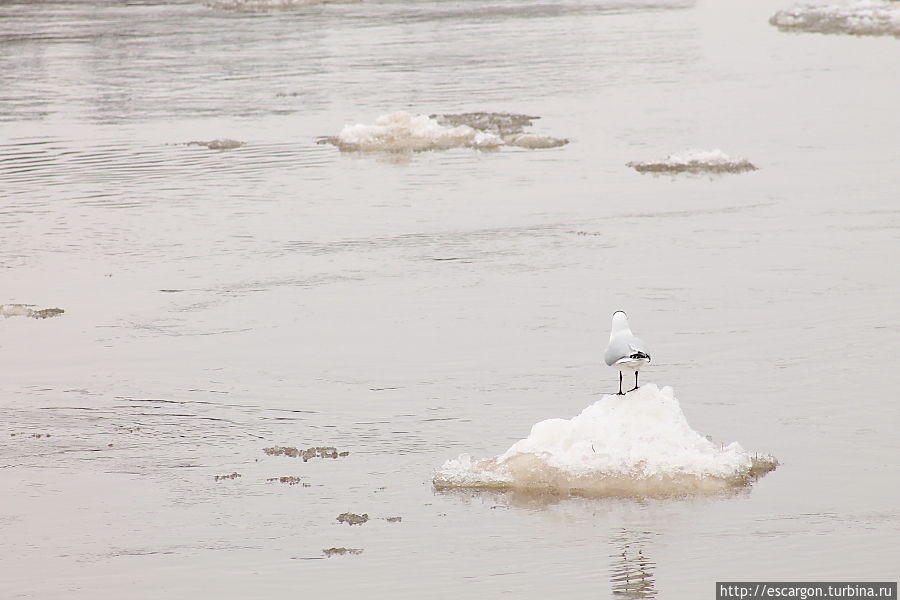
(408, 308)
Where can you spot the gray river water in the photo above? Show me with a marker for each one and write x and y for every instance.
(409, 307)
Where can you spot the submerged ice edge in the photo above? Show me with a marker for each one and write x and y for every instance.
(539, 478)
(634, 445)
(866, 17)
(403, 132)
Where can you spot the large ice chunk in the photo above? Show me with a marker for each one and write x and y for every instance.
(637, 444)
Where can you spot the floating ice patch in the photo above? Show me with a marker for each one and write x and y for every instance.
(28, 310)
(530, 140)
(314, 452)
(868, 17)
(223, 144)
(500, 123)
(329, 552)
(509, 127)
(695, 161)
(404, 132)
(639, 444)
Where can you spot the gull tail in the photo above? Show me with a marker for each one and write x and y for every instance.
(640, 354)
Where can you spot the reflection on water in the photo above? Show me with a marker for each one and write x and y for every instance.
(631, 571)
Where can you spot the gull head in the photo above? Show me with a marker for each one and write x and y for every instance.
(619, 324)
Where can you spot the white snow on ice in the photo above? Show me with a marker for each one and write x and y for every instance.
(404, 132)
(639, 444)
(864, 17)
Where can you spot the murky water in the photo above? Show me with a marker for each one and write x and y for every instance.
(223, 298)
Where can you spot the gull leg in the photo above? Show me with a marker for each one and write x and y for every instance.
(635, 382)
(621, 393)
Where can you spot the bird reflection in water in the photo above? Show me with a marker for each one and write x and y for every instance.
(631, 570)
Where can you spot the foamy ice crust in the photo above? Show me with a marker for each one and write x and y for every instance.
(866, 17)
(639, 444)
(695, 161)
(404, 132)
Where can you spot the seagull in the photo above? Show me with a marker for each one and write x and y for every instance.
(625, 352)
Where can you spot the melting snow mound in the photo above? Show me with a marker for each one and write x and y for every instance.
(695, 161)
(639, 444)
(405, 132)
(865, 17)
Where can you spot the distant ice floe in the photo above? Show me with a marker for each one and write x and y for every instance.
(28, 310)
(222, 144)
(639, 444)
(405, 132)
(695, 161)
(263, 5)
(865, 17)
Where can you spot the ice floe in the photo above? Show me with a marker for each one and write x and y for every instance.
(28, 310)
(222, 144)
(695, 161)
(639, 444)
(865, 17)
(402, 132)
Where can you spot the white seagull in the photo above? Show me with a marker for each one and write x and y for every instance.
(625, 352)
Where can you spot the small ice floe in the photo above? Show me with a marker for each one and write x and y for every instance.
(222, 144)
(263, 5)
(329, 552)
(639, 444)
(288, 479)
(865, 17)
(695, 161)
(402, 132)
(314, 452)
(353, 518)
(28, 310)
